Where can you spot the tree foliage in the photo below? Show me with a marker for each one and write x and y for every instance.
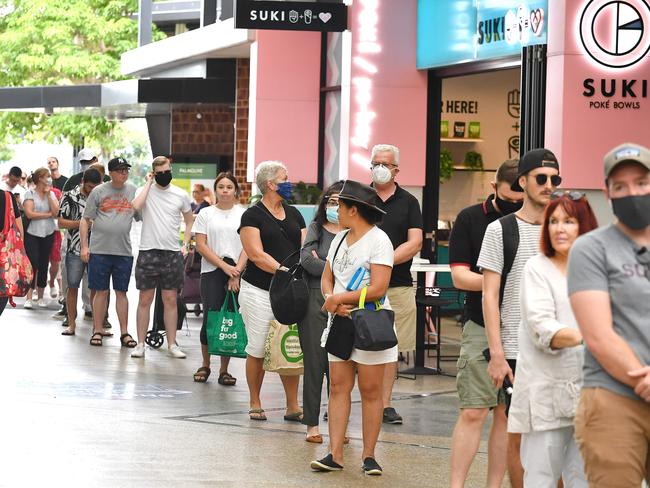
(63, 42)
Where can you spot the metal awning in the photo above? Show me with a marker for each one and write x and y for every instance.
(125, 99)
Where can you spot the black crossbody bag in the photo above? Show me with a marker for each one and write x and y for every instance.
(340, 340)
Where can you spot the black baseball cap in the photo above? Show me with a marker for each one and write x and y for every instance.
(535, 158)
(117, 163)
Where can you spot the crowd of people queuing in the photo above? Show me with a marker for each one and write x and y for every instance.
(554, 341)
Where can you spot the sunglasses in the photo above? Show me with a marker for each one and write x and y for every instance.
(542, 179)
(643, 258)
(572, 195)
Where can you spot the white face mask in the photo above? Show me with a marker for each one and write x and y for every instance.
(381, 174)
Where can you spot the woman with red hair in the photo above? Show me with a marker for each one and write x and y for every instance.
(549, 365)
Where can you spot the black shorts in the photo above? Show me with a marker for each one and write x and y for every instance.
(159, 268)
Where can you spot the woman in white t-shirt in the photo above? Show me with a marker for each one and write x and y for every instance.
(360, 257)
(223, 262)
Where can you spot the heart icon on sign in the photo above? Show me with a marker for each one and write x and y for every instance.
(325, 17)
(537, 21)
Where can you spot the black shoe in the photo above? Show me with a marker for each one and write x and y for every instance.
(391, 416)
(371, 467)
(88, 316)
(107, 324)
(65, 322)
(325, 417)
(61, 313)
(327, 464)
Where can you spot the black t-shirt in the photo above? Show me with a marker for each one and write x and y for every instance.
(465, 246)
(59, 182)
(3, 207)
(276, 243)
(402, 213)
(75, 180)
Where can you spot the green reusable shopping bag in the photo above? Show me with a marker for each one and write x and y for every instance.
(226, 331)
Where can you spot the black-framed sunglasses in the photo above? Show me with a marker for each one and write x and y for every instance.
(573, 195)
(542, 179)
(643, 258)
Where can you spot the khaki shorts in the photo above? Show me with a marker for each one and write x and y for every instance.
(402, 301)
(474, 385)
(613, 432)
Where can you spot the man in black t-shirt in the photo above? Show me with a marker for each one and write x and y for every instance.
(58, 180)
(403, 225)
(477, 395)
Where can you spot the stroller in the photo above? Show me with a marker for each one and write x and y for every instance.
(189, 294)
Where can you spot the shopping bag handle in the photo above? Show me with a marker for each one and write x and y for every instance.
(226, 302)
(362, 300)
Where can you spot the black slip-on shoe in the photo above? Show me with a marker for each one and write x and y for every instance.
(326, 464)
(371, 467)
(391, 416)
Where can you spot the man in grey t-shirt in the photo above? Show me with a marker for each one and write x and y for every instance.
(609, 286)
(109, 255)
(537, 178)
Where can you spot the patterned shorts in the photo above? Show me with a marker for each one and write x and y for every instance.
(159, 268)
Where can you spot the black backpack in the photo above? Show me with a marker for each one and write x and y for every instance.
(510, 233)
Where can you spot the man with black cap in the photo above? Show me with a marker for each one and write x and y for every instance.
(508, 244)
(109, 255)
(609, 287)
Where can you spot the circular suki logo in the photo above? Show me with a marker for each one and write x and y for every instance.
(616, 33)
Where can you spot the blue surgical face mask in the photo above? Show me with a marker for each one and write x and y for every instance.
(285, 190)
(332, 214)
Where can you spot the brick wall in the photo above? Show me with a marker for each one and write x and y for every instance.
(241, 127)
(204, 129)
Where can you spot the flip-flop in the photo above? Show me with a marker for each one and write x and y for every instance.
(202, 374)
(67, 332)
(293, 417)
(256, 414)
(226, 379)
(314, 439)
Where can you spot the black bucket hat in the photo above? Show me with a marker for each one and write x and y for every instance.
(535, 158)
(360, 193)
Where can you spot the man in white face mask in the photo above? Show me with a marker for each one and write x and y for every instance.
(403, 224)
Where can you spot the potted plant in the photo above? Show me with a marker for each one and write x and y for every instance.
(446, 165)
(473, 160)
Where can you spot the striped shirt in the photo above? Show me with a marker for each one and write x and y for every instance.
(491, 259)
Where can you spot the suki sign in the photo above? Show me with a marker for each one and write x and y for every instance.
(457, 31)
(616, 37)
(303, 16)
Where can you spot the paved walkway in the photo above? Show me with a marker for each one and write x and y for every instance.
(80, 416)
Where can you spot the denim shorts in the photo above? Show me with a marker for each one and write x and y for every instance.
(102, 266)
(74, 267)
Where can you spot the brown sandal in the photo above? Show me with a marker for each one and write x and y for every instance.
(226, 379)
(97, 339)
(130, 342)
(202, 374)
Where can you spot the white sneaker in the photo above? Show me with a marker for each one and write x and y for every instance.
(53, 292)
(42, 303)
(138, 351)
(29, 304)
(176, 352)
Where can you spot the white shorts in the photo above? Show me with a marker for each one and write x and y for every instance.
(368, 358)
(255, 309)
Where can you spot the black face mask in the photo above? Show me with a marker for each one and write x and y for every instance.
(633, 211)
(164, 178)
(506, 207)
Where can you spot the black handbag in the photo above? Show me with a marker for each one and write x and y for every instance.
(340, 340)
(373, 329)
(289, 293)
